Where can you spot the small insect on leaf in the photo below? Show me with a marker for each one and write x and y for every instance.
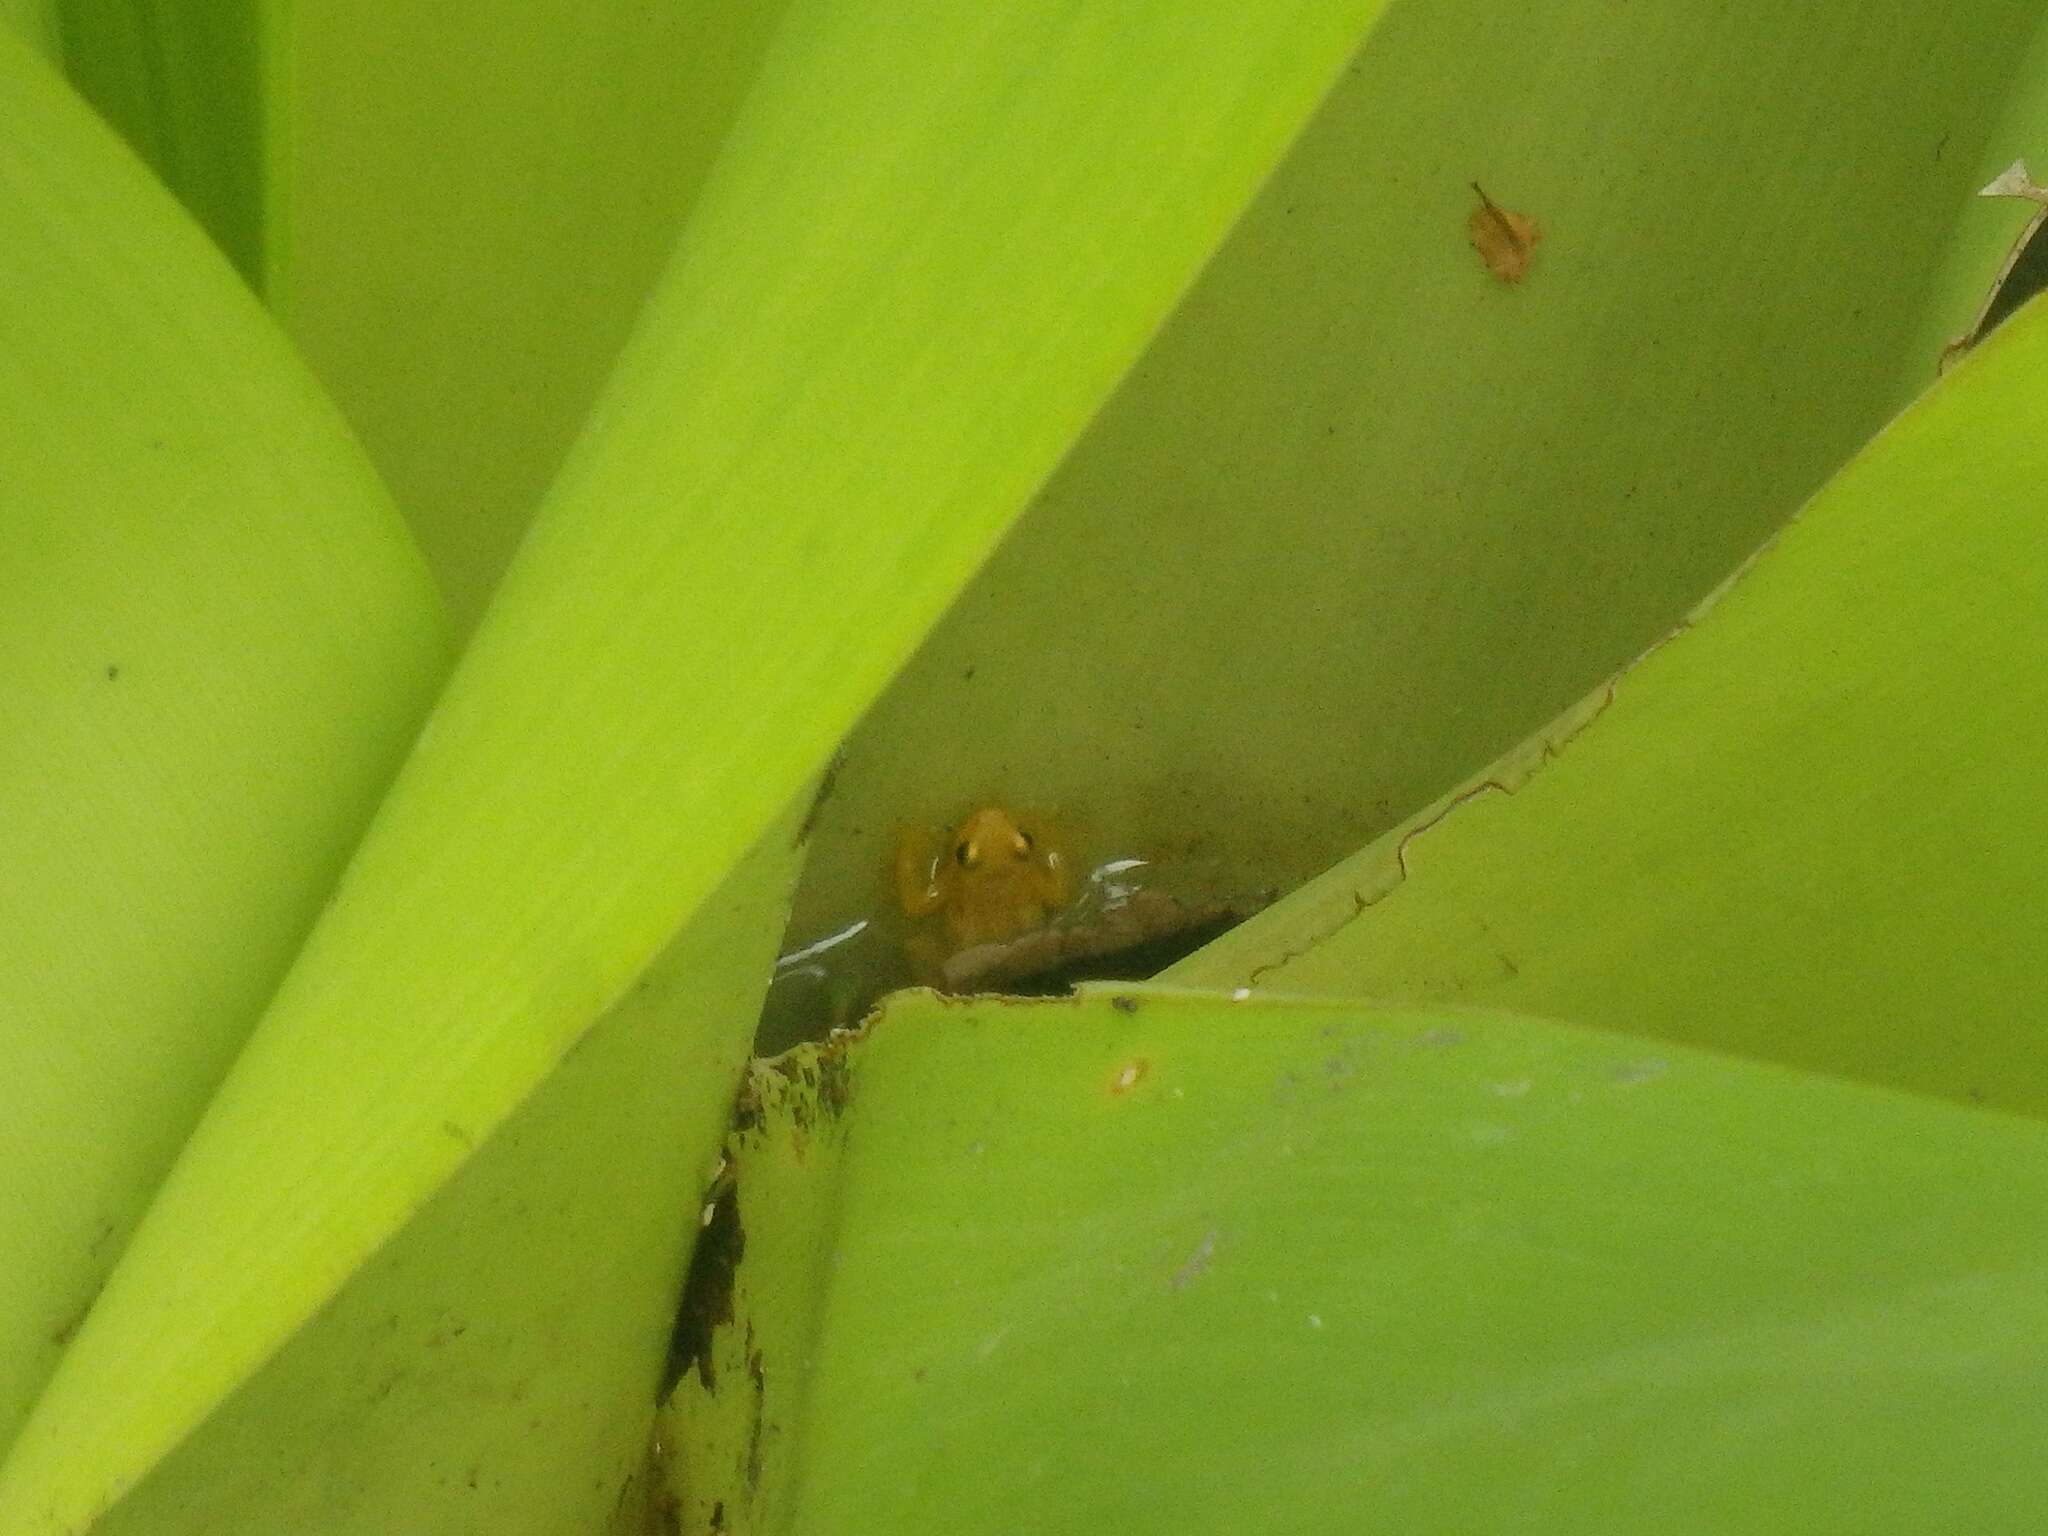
(1505, 241)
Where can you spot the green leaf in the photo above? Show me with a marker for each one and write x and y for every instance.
(492, 1367)
(471, 209)
(853, 375)
(217, 640)
(1156, 1262)
(1364, 516)
(1806, 827)
(187, 83)
(36, 23)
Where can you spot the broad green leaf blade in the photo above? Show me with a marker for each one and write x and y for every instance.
(493, 1367)
(1365, 516)
(854, 374)
(1807, 827)
(472, 205)
(1169, 1263)
(188, 83)
(216, 641)
(35, 22)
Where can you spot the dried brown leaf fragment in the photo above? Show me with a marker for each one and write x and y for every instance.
(1504, 240)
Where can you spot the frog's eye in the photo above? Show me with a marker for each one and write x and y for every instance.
(966, 855)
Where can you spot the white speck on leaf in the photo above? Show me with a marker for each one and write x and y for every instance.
(2014, 181)
(1197, 1262)
(1643, 1071)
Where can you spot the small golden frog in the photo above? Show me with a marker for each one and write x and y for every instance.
(996, 876)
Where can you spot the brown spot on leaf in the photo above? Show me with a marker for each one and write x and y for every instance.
(1504, 240)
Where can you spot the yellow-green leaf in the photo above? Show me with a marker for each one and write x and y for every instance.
(934, 241)
(1807, 827)
(216, 641)
(1160, 1263)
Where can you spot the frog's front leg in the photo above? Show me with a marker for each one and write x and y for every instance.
(917, 881)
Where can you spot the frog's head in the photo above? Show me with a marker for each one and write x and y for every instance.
(989, 842)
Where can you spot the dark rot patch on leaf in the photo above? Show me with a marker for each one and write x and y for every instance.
(835, 1078)
(820, 1083)
(707, 1294)
(748, 1115)
(759, 1377)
